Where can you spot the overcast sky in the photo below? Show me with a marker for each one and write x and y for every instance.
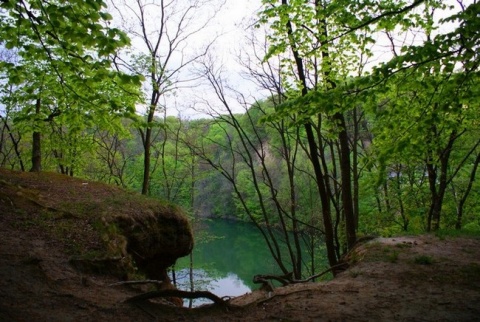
(229, 27)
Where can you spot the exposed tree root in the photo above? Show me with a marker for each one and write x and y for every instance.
(181, 294)
(285, 280)
(288, 279)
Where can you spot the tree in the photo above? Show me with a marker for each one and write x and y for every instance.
(114, 153)
(164, 29)
(260, 160)
(324, 39)
(10, 138)
(65, 65)
(435, 85)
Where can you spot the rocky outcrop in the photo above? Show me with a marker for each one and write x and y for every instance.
(156, 238)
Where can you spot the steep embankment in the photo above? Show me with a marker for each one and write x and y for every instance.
(61, 231)
(58, 234)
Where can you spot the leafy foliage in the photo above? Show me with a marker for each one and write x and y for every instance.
(63, 80)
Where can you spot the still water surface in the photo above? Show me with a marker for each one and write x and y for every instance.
(226, 256)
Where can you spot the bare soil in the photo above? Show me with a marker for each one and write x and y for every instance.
(417, 278)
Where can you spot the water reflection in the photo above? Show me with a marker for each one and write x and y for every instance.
(230, 285)
(226, 256)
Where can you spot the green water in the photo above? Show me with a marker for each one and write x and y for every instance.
(226, 256)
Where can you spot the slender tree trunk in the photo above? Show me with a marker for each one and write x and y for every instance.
(438, 201)
(436, 204)
(146, 161)
(192, 282)
(400, 199)
(293, 212)
(356, 185)
(324, 198)
(458, 224)
(147, 145)
(36, 152)
(386, 194)
(15, 143)
(345, 170)
(438, 190)
(433, 192)
(36, 144)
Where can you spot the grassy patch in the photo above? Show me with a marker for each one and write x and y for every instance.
(378, 252)
(393, 256)
(423, 260)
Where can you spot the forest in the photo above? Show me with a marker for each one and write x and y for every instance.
(367, 122)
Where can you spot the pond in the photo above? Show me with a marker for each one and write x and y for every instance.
(226, 256)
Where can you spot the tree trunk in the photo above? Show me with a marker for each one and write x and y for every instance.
(36, 152)
(14, 142)
(191, 279)
(458, 224)
(36, 144)
(324, 197)
(325, 200)
(355, 174)
(345, 170)
(146, 161)
(398, 182)
(147, 144)
(437, 195)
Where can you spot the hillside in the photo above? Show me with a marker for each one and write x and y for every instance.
(48, 227)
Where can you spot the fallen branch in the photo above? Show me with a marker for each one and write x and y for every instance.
(287, 278)
(332, 268)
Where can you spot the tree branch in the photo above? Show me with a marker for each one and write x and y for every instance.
(371, 21)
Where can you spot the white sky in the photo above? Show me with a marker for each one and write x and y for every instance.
(231, 24)
(227, 27)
